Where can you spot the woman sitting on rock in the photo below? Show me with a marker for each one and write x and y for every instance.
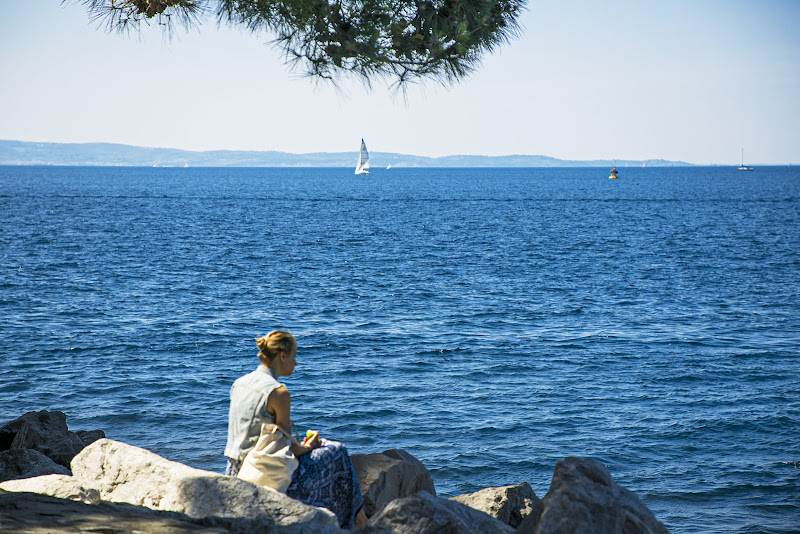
(325, 476)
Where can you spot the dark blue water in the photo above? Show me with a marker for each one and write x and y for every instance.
(490, 322)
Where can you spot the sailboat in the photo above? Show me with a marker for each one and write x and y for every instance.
(743, 168)
(362, 167)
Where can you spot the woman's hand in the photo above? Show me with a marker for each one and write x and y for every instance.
(305, 447)
(312, 439)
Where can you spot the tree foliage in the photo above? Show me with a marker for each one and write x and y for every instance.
(403, 40)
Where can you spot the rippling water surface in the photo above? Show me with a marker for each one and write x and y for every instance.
(488, 321)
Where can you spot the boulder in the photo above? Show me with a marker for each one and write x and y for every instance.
(509, 504)
(26, 463)
(45, 432)
(32, 513)
(424, 513)
(61, 486)
(126, 474)
(90, 436)
(583, 498)
(393, 474)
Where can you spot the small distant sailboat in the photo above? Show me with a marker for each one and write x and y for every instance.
(743, 168)
(613, 174)
(362, 167)
(388, 166)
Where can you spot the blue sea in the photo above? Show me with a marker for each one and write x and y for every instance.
(488, 321)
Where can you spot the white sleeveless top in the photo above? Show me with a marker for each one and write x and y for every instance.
(249, 395)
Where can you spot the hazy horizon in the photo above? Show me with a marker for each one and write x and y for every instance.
(152, 147)
(16, 152)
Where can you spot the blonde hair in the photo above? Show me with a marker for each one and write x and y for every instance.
(273, 344)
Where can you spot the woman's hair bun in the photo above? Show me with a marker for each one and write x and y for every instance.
(273, 344)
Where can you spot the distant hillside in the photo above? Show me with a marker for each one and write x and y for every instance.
(26, 153)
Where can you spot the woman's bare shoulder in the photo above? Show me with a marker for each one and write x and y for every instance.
(279, 394)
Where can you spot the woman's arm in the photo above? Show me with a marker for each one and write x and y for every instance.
(279, 405)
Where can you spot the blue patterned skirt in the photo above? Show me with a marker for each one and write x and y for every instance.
(325, 478)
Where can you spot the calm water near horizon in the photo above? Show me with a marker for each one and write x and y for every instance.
(488, 321)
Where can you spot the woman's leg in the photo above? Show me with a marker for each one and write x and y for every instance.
(361, 518)
(232, 469)
(326, 478)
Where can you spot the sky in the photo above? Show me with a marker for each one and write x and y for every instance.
(686, 80)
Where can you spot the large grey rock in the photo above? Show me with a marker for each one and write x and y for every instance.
(61, 486)
(393, 474)
(126, 474)
(42, 431)
(424, 513)
(583, 498)
(42, 514)
(509, 504)
(26, 463)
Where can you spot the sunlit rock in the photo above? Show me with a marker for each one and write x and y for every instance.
(509, 504)
(424, 513)
(61, 486)
(126, 474)
(584, 498)
(390, 475)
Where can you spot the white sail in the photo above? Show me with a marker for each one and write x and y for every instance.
(362, 167)
(743, 167)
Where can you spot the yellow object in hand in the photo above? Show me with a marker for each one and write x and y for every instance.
(311, 435)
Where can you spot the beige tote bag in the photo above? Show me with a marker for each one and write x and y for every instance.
(270, 463)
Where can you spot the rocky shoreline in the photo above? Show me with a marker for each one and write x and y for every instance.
(56, 480)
